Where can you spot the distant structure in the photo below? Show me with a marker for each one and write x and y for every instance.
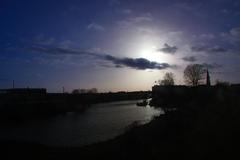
(208, 82)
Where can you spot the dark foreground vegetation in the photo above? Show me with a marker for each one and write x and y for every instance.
(204, 125)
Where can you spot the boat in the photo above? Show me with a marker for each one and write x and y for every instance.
(143, 103)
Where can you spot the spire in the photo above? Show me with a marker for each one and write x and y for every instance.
(208, 82)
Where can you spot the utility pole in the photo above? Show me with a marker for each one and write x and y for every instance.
(63, 89)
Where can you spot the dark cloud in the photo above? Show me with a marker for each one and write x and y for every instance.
(217, 49)
(189, 58)
(208, 49)
(136, 63)
(211, 66)
(56, 50)
(198, 48)
(168, 49)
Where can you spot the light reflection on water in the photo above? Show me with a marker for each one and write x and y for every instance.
(100, 122)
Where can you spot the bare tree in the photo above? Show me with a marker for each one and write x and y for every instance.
(193, 74)
(168, 79)
(75, 91)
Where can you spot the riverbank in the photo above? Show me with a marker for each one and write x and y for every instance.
(199, 129)
(27, 105)
(100, 122)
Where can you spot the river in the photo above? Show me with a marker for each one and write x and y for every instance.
(100, 122)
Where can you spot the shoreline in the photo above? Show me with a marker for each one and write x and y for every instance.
(201, 128)
(25, 105)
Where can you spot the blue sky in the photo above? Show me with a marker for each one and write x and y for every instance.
(115, 44)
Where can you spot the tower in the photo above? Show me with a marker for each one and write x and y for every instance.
(208, 82)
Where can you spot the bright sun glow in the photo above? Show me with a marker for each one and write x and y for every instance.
(151, 53)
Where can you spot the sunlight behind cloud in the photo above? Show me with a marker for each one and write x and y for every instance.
(149, 51)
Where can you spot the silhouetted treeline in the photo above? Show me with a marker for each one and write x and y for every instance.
(28, 104)
(177, 96)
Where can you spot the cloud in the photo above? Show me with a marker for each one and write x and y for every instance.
(144, 30)
(95, 27)
(53, 50)
(168, 49)
(198, 48)
(208, 49)
(147, 17)
(217, 49)
(189, 58)
(208, 36)
(135, 63)
(144, 18)
(232, 36)
(187, 7)
(211, 66)
(66, 43)
(42, 39)
(235, 32)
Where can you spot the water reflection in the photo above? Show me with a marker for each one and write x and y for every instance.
(100, 122)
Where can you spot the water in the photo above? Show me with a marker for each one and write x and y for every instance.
(100, 122)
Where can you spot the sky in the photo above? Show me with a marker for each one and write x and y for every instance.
(116, 45)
